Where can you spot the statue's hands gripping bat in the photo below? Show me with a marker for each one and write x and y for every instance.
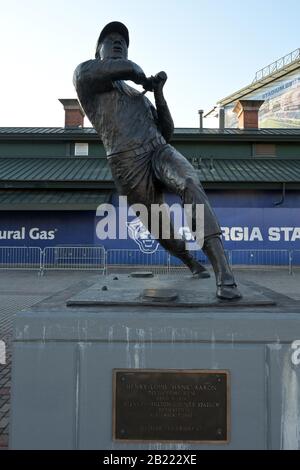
(155, 83)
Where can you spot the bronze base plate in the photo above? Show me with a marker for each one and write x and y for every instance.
(125, 291)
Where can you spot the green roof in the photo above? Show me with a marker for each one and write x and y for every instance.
(268, 170)
(88, 134)
(33, 199)
(14, 171)
(61, 169)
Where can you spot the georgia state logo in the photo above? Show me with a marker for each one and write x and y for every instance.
(142, 237)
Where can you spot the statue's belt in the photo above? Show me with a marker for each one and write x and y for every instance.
(147, 147)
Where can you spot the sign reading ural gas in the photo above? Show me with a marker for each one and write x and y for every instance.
(23, 233)
(46, 228)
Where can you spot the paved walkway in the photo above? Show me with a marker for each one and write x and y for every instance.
(20, 289)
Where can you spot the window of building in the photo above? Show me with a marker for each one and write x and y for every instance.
(265, 150)
(81, 150)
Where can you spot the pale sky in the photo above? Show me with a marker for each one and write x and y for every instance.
(209, 49)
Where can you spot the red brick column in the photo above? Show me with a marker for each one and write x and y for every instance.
(74, 114)
(247, 113)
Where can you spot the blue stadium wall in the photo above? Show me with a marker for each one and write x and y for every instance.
(249, 219)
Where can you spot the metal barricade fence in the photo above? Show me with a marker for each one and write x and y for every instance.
(260, 258)
(76, 258)
(126, 260)
(20, 257)
(122, 260)
(295, 260)
(159, 262)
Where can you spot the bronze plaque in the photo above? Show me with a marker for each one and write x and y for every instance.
(168, 405)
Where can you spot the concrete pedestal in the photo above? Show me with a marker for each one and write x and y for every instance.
(63, 358)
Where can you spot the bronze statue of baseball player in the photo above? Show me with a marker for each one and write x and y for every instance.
(136, 138)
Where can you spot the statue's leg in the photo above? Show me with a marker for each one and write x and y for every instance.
(134, 178)
(177, 175)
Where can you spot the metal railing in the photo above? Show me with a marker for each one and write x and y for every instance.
(121, 260)
(20, 257)
(159, 262)
(77, 258)
(294, 260)
(277, 65)
(260, 258)
(96, 258)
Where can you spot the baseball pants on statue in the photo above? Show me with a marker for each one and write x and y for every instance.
(144, 177)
